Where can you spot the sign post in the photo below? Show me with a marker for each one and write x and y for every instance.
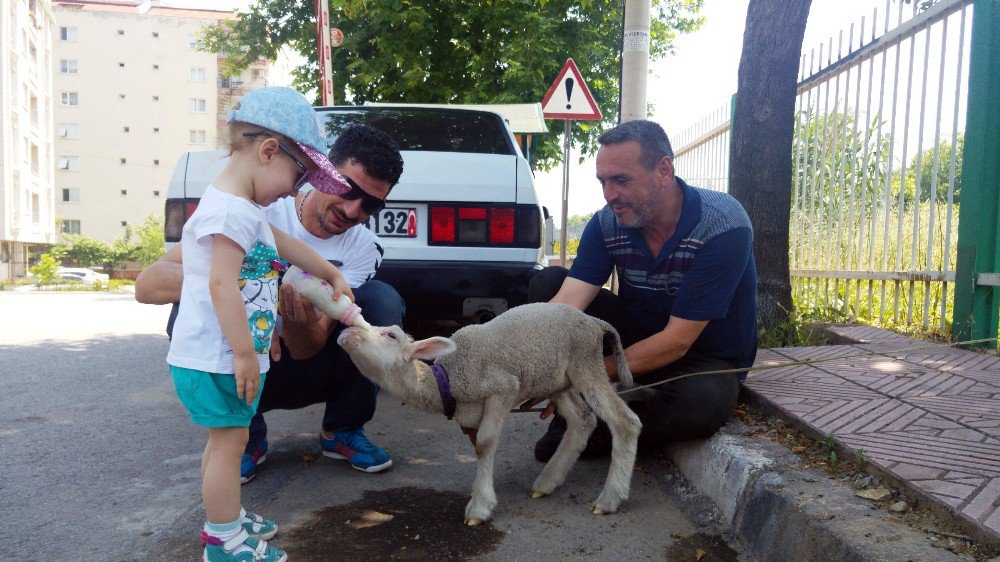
(568, 99)
(323, 44)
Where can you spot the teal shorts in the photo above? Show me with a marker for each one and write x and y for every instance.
(210, 398)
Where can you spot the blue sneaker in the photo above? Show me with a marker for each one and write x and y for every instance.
(352, 446)
(258, 527)
(241, 548)
(255, 454)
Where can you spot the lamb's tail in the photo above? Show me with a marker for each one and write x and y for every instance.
(613, 340)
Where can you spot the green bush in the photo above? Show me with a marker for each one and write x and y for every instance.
(117, 284)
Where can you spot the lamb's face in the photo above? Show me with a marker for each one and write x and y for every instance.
(376, 352)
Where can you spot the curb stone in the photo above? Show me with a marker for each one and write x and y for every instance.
(782, 512)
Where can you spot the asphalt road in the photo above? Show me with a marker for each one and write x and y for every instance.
(99, 462)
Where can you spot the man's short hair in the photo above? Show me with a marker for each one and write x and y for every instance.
(650, 136)
(377, 153)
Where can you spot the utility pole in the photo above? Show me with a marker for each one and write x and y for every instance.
(323, 44)
(635, 60)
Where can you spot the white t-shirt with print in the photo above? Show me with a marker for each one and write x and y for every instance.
(198, 341)
(356, 252)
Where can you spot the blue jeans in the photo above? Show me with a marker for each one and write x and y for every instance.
(330, 376)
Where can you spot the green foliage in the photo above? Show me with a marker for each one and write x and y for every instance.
(934, 179)
(122, 250)
(572, 245)
(452, 51)
(150, 240)
(117, 284)
(82, 250)
(46, 269)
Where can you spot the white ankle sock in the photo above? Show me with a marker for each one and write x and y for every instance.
(224, 531)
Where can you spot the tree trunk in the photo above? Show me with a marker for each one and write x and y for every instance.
(760, 161)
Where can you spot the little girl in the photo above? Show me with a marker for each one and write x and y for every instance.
(219, 350)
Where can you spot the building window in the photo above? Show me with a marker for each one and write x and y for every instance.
(124, 192)
(70, 162)
(156, 129)
(197, 105)
(259, 74)
(156, 67)
(125, 129)
(71, 195)
(70, 226)
(67, 34)
(121, 96)
(124, 224)
(121, 65)
(156, 98)
(156, 35)
(156, 161)
(67, 66)
(193, 43)
(36, 207)
(122, 160)
(197, 75)
(69, 130)
(70, 98)
(156, 193)
(121, 32)
(196, 137)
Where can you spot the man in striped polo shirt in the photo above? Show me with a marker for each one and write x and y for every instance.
(686, 301)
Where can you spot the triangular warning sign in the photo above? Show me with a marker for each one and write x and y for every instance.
(569, 97)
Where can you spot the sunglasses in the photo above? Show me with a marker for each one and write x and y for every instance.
(369, 203)
(304, 175)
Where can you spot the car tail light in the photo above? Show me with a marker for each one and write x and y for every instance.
(178, 211)
(442, 225)
(515, 226)
(502, 226)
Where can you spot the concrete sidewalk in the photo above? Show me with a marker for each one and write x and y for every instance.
(927, 419)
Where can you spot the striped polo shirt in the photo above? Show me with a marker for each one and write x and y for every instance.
(705, 271)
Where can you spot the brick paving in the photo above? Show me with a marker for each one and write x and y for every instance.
(929, 418)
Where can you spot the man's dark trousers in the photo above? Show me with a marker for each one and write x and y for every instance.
(691, 408)
(329, 376)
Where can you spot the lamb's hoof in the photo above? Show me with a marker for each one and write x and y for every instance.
(472, 521)
(599, 511)
(537, 495)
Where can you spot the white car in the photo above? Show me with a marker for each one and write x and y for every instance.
(82, 274)
(462, 231)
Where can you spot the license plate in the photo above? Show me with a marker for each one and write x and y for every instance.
(394, 221)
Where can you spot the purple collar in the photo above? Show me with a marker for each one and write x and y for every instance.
(444, 387)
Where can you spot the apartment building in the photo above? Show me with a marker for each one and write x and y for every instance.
(27, 196)
(132, 93)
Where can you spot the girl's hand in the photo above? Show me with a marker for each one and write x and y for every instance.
(340, 286)
(247, 372)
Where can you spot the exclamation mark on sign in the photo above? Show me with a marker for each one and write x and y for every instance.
(569, 92)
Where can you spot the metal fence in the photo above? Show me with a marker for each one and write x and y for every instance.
(880, 117)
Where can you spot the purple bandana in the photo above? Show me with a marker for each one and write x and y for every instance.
(444, 387)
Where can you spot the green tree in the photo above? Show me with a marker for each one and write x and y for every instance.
(46, 269)
(575, 225)
(454, 51)
(929, 174)
(122, 251)
(84, 251)
(150, 240)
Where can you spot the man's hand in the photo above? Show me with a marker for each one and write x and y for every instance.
(546, 412)
(294, 309)
(304, 328)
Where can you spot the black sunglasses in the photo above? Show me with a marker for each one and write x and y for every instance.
(303, 176)
(369, 203)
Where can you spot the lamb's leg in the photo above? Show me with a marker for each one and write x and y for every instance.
(484, 497)
(625, 427)
(580, 423)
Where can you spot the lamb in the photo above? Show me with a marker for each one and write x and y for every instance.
(530, 351)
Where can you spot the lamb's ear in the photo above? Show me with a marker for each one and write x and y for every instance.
(430, 348)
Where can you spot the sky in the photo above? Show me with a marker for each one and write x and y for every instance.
(697, 79)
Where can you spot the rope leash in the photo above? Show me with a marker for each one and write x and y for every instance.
(787, 364)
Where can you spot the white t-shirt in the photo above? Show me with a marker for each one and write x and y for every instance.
(198, 342)
(357, 252)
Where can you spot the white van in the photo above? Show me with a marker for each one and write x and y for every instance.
(462, 229)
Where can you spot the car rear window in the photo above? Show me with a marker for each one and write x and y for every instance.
(428, 129)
